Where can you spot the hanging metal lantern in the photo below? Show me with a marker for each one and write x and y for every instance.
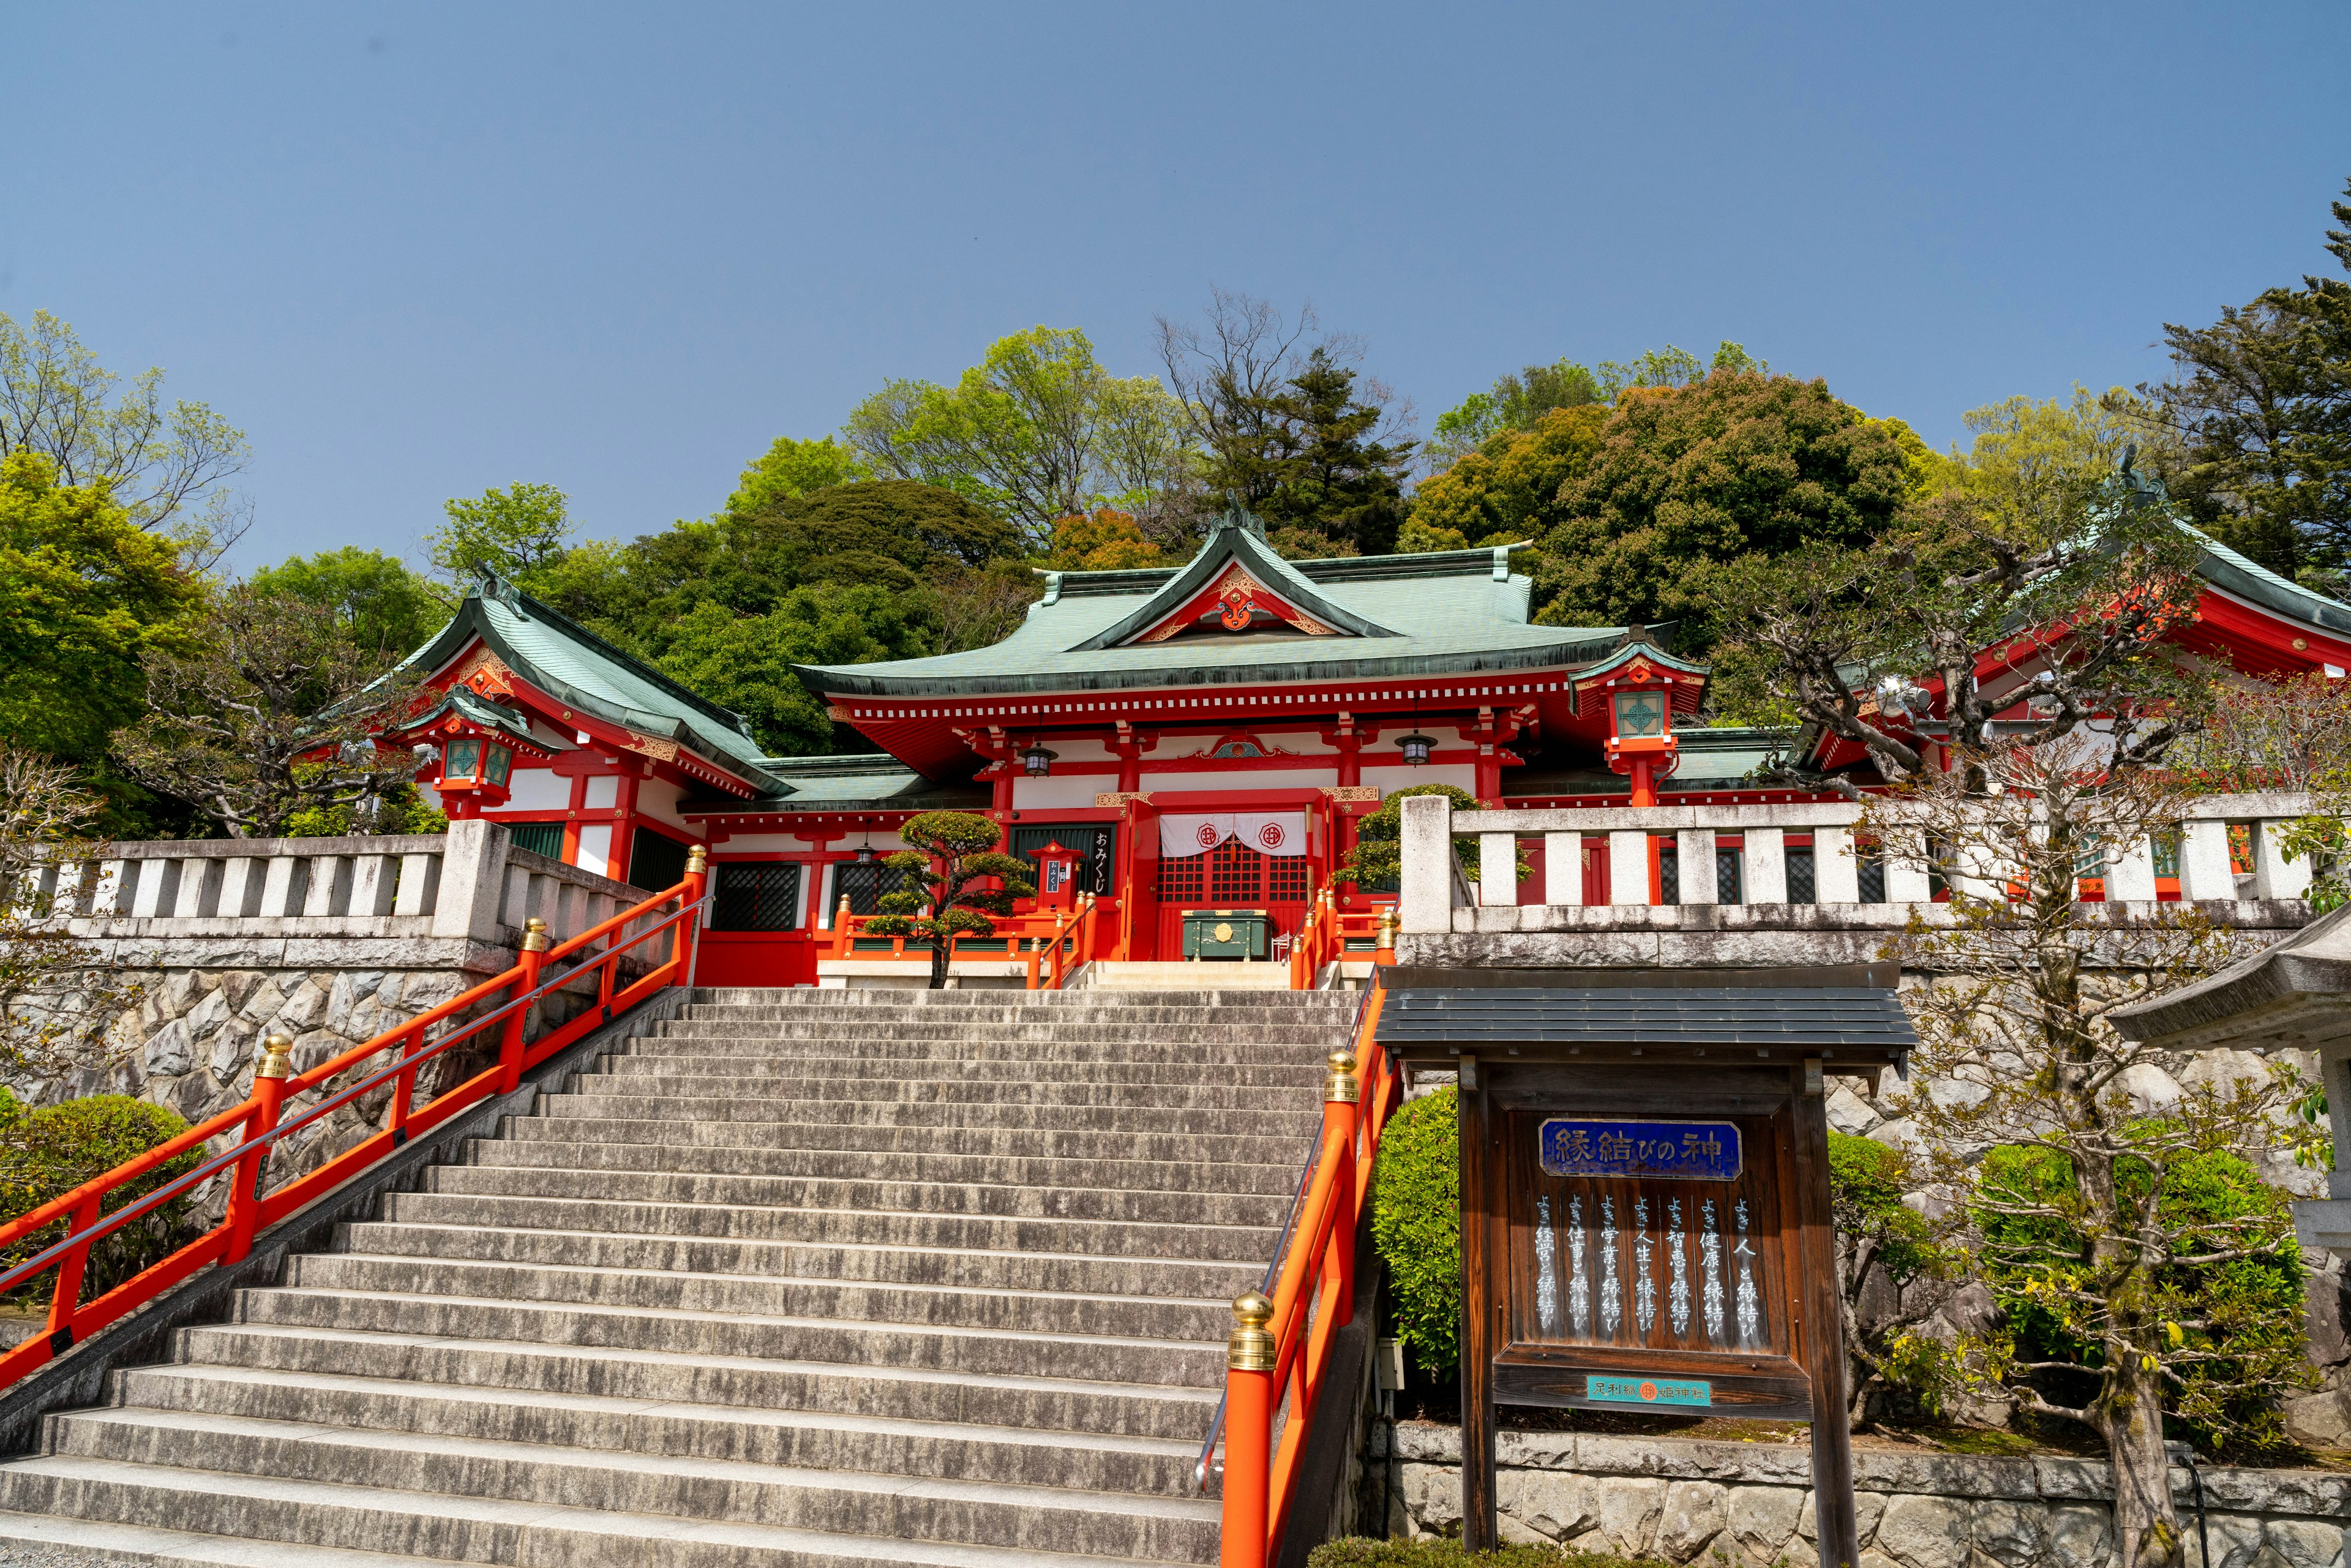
(1416, 748)
(1039, 761)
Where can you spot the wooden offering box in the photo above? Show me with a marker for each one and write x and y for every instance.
(1645, 1194)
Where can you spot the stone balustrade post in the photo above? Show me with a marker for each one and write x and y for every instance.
(1426, 901)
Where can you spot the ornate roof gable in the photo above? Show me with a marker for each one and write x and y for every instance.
(1236, 575)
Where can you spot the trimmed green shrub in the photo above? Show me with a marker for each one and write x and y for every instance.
(1416, 1225)
(47, 1153)
(1439, 1553)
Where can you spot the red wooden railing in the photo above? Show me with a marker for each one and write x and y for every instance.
(1051, 945)
(1280, 1345)
(598, 952)
(1325, 937)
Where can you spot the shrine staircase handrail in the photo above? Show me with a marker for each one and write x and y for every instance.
(250, 1206)
(1307, 1294)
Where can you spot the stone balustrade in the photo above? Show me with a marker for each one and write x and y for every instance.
(1740, 893)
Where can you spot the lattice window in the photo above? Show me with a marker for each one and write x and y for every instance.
(1869, 873)
(1802, 886)
(1286, 879)
(1670, 871)
(1236, 873)
(763, 895)
(863, 882)
(1728, 887)
(1182, 881)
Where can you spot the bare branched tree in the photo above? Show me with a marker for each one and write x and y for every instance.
(271, 711)
(1227, 373)
(2115, 1214)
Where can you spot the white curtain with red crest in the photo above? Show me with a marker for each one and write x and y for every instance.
(1181, 834)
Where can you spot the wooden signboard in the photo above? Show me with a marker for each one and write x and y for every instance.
(1644, 1200)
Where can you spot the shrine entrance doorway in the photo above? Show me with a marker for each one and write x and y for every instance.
(1231, 876)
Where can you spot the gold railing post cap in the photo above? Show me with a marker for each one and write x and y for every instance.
(534, 935)
(1341, 1084)
(698, 859)
(276, 1058)
(1251, 1347)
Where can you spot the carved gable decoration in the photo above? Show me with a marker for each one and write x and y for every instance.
(484, 674)
(1237, 746)
(1237, 599)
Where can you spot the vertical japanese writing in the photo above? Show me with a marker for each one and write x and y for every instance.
(1644, 1286)
(1578, 1283)
(1612, 1305)
(1546, 1271)
(1678, 1294)
(1750, 1305)
(1711, 1297)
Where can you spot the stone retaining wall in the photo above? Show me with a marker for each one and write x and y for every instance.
(1691, 1501)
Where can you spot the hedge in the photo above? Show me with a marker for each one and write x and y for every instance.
(1416, 1225)
(47, 1153)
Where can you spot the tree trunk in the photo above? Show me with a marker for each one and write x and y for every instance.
(2130, 1412)
(939, 962)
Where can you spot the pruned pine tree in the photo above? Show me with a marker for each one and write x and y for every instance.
(2133, 1248)
(950, 854)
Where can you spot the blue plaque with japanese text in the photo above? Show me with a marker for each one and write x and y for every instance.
(1687, 1151)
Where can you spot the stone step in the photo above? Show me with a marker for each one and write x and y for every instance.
(949, 1450)
(831, 1226)
(1302, 1121)
(939, 1348)
(1207, 1149)
(695, 1382)
(744, 1158)
(439, 1526)
(761, 1072)
(1155, 1207)
(680, 1488)
(1270, 1040)
(1187, 1278)
(1145, 975)
(868, 1303)
(52, 1539)
(1203, 993)
(948, 1090)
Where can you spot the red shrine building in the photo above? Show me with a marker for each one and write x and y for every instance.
(1183, 739)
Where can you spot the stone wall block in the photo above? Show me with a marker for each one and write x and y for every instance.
(428, 989)
(1868, 1509)
(232, 1045)
(2236, 1539)
(2013, 1535)
(1921, 1531)
(2082, 1537)
(1693, 1514)
(2309, 1543)
(1556, 1505)
(262, 1002)
(179, 991)
(170, 1051)
(208, 1015)
(1763, 1522)
(1628, 1513)
(318, 1045)
(1432, 1493)
(304, 1009)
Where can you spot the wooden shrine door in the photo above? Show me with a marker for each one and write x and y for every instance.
(1232, 876)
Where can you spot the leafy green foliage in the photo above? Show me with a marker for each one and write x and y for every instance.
(951, 853)
(1416, 1225)
(1377, 861)
(516, 532)
(1508, 489)
(1736, 465)
(2234, 1325)
(1441, 1552)
(789, 469)
(399, 810)
(1102, 541)
(1035, 432)
(381, 605)
(1876, 1231)
(47, 1153)
(88, 594)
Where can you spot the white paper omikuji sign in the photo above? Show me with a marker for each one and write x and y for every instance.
(1197, 832)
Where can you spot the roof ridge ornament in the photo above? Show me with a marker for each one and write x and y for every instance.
(1237, 516)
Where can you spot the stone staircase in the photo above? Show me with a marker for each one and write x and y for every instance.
(802, 1278)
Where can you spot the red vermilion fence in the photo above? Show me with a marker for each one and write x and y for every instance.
(1281, 1347)
(597, 955)
(1049, 945)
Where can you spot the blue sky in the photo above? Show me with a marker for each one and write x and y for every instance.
(419, 250)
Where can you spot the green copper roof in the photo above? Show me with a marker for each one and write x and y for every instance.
(584, 672)
(1442, 613)
(856, 781)
(487, 715)
(1232, 542)
(2224, 568)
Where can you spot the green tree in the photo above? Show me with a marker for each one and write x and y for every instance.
(1882, 1237)
(1102, 540)
(380, 604)
(167, 469)
(1036, 430)
(2259, 406)
(1508, 490)
(1327, 468)
(1736, 465)
(949, 855)
(1517, 402)
(85, 595)
(790, 469)
(518, 533)
(1416, 1225)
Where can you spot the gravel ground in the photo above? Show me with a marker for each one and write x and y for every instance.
(53, 1557)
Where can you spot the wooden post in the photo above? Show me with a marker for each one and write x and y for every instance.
(1480, 1517)
(1249, 1433)
(1824, 1336)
